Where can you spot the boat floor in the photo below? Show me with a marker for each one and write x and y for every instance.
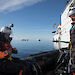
(50, 73)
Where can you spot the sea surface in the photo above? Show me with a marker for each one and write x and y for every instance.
(27, 48)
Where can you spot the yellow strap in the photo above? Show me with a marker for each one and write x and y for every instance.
(70, 49)
(10, 58)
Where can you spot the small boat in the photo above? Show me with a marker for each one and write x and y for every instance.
(24, 39)
(39, 64)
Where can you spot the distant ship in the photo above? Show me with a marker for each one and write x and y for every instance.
(63, 29)
(24, 39)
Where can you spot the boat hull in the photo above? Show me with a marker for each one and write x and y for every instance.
(44, 63)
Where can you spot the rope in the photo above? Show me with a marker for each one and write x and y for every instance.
(38, 69)
(31, 63)
(35, 66)
(69, 65)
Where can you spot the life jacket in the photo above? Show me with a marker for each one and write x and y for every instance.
(4, 50)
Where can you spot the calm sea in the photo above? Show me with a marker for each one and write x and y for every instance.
(26, 48)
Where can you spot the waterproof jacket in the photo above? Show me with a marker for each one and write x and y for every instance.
(4, 50)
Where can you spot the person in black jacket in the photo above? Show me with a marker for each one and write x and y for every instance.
(8, 64)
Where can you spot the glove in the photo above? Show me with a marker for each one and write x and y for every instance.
(14, 51)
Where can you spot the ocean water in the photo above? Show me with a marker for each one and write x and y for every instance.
(27, 48)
